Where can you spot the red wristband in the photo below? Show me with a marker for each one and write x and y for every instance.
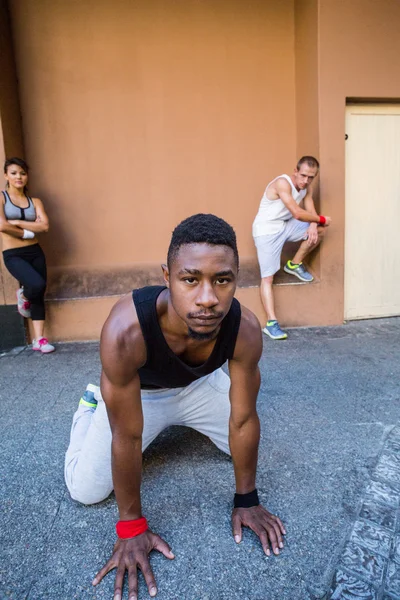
(130, 529)
(322, 220)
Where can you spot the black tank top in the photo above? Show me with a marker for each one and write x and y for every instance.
(163, 369)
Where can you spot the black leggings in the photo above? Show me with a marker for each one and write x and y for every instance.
(28, 265)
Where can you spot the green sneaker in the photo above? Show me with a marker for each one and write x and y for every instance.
(299, 271)
(273, 330)
(88, 398)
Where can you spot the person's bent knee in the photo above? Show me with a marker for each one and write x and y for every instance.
(267, 280)
(88, 496)
(36, 292)
(83, 492)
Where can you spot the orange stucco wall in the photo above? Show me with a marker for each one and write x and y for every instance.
(307, 97)
(10, 115)
(137, 114)
(306, 73)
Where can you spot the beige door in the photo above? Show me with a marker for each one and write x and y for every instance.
(372, 230)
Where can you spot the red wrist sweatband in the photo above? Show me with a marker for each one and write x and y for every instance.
(322, 220)
(130, 529)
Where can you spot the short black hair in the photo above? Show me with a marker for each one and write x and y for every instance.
(311, 161)
(202, 229)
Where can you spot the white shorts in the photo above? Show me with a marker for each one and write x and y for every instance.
(269, 247)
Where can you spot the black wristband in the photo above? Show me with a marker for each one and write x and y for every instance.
(246, 500)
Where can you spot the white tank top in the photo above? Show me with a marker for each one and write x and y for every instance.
(272, 214)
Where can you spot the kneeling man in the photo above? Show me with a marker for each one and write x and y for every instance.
(162, 349)
(280, 219)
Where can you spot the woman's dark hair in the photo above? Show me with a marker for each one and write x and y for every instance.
(202, 229)
(16, 161)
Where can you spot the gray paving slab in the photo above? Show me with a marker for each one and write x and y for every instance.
(328, 465)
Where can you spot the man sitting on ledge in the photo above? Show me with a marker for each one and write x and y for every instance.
(280, 219)
(162, 349)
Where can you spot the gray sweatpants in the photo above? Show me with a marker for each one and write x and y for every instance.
(203, 405)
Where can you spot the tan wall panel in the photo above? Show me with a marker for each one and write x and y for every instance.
(138, 114)
(372, 174)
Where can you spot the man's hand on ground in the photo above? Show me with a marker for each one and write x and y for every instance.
(129, 555)
(268, 527)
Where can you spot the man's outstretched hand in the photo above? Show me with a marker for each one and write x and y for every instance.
(129, 555)
(268, 527)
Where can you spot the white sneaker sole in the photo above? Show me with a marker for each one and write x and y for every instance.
(43, 351)
(284, 337)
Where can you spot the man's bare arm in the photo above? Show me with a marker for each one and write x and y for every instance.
(126, 420)
(123, 352)
(7, 227)
(244, 425)
(41, 225)
(312, 237)
(244, 435)
(285, 194)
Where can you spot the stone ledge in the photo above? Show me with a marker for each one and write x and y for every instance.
(67, 283)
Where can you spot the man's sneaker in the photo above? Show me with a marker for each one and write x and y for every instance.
(42, 345)
(298, 270)
(23, 305)
(88, 398)
(274, 331)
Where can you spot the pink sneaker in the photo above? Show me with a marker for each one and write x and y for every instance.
(23, 305)
(42, 345)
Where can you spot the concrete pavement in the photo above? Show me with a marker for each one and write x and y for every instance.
(329, 465)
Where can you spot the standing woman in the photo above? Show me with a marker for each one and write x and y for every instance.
(21, 218)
